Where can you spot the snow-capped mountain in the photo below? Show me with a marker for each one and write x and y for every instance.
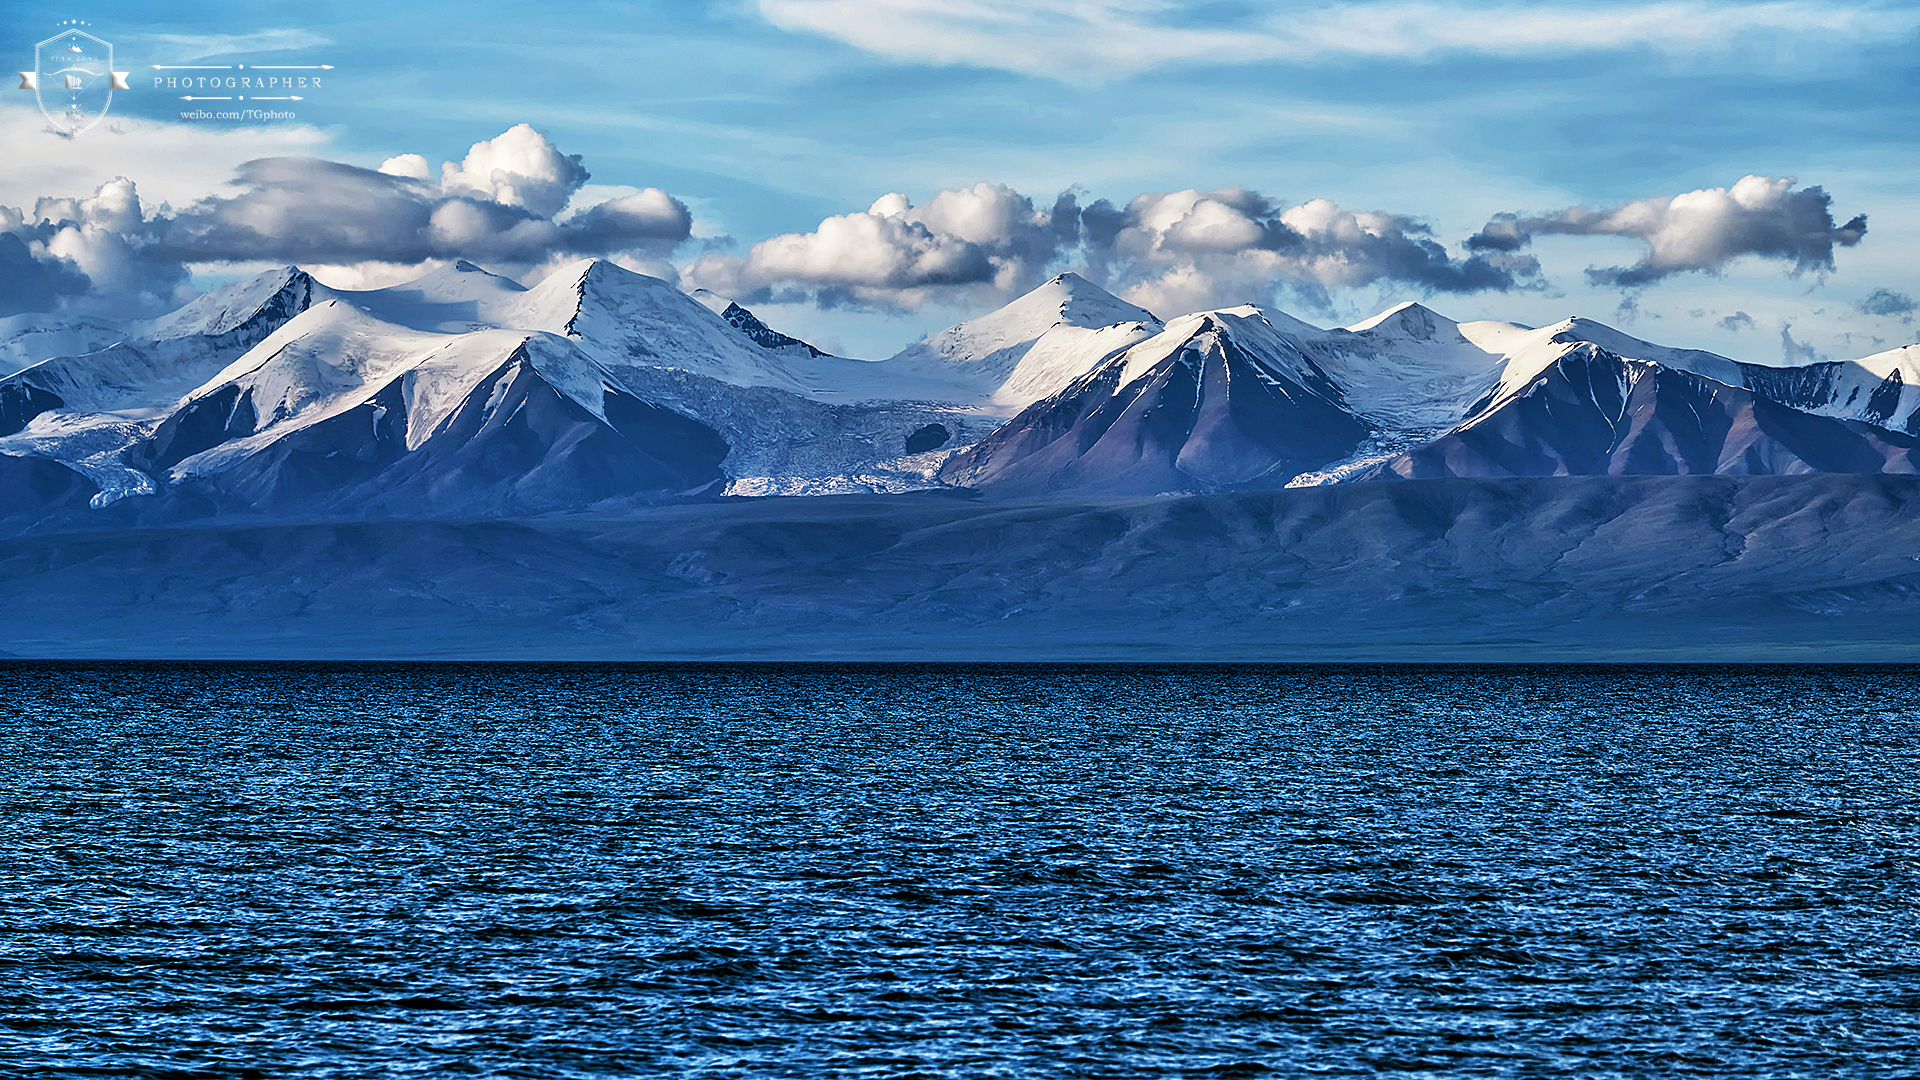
(1594, 412)
(154, 363)
(1411, 393)
(756, 331)
(624, 319)
(463, 392)
(450, 300)
(88, 410)
(1069, 322)
(341, 410)
(1221, 398)
(246, 375)
(28, 339)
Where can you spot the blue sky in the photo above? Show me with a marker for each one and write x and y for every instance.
(765, 116)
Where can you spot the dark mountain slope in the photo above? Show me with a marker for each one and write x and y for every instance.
(1216, 411)
(1700, 567)
(1593, 413)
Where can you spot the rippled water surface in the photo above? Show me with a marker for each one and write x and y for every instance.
(850, 871)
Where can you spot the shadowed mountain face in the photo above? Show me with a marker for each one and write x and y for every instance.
(177, 354)
(20, 402)
(1211, 414)
(1594, 413)
(513, 444)
(33, 488)
(1839, 386)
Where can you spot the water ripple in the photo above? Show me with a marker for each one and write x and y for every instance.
(337, 871)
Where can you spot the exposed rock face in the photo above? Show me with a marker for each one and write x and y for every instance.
(931, 437)
(763, 335)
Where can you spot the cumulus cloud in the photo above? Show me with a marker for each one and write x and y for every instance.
(1700, 231)
(986, 239)
(31, 281)
(1736, 322)
(1098, 40)
(518, 168)
(1172, 251)
(517, 204)
(497, 206)
(87, 252)
(1185, 249)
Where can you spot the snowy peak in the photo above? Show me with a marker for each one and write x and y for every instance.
(1079, 302)
(1245, 327)
(1066, 300)
(1595, 412)
(452, 299)
(623, 318)
(491, 421)
(1528, 354)
(1215, 400)
(460, 281)
(177, 353)
(330, 347)
(593, 289)
(1410, 322)
(249, 309)
(985, 351)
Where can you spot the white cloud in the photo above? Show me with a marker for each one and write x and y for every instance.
(182, 47)
(1183, 250)
(986, 239)
(519, 167)
(1172, 251)
(198, 158)
(111, 253)
(1098, 40)
(1700, 230)
(411, 166)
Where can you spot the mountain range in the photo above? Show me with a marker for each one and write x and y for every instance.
(279, 403)
(464, 392)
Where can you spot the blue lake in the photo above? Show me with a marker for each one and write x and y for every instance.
(372, 871)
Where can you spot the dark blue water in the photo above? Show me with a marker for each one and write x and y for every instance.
(337, 871)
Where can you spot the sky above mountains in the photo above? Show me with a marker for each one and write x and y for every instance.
(1726, 176)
